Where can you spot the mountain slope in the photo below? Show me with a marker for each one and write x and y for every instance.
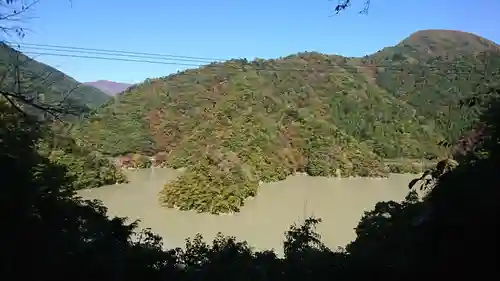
(109, 87)
(231, 129)
(47, 86)
(307, 84)
(43, 83)
(236, 123)
(425, 44)
(432, 70)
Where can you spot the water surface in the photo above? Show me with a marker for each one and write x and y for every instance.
(340, 203)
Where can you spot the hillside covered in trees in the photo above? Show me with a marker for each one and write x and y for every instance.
(236, 123)
(451, 232)
(44, 92)
(44, 84)
(418, 237)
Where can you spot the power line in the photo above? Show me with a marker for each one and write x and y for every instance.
(117, 54)
(177, 63)
(110, 58)
(109, 55)
(113, 51)
(141, 57)
(323, 68)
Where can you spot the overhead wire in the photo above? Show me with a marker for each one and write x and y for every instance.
(168, 59)
(111, 58)
(117, 54)
(111, 51)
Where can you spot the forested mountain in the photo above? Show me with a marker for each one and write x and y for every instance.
(34, 86)
(44, 84)
(432, 70)
(236, 123)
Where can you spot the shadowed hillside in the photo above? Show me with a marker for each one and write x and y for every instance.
(45, 92)
(237, 123)
(43, 84)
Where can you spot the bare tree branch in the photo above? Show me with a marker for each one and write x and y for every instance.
(344, 4)
(19, 85)
(13, 12)
(14, 15)
(25, 88)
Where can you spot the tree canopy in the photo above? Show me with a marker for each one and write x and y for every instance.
(237, 123)
(452, 232)
(50, 232)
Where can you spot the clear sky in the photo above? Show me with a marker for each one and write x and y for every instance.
(238, 28)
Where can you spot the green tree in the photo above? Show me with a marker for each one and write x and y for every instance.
(50, 232)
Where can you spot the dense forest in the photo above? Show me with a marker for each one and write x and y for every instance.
(237, 123)
(50, 234)
(59, 100)
(48, 231)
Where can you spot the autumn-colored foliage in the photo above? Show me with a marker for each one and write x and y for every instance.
(236, 123)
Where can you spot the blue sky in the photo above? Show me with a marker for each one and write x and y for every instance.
(237, 28)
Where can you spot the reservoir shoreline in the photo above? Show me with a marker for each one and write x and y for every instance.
(263, 220)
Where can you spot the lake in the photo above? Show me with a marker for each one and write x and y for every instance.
(339, 202)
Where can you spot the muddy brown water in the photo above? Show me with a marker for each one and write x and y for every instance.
(262, 222)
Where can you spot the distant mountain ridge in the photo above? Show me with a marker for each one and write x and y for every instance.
(109, 87)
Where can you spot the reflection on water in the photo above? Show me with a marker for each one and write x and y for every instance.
(340, 203)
